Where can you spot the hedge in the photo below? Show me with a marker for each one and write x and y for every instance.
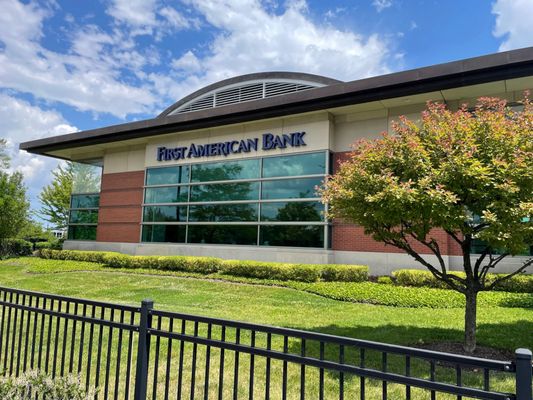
(419, 278)
(210, 265)
(55, 245)
(14, 248)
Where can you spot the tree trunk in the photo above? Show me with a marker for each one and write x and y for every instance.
(470, 320)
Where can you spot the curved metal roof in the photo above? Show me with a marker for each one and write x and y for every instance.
(246, 88)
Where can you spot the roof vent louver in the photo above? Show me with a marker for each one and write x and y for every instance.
(248, 91)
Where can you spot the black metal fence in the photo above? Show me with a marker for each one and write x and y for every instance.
(139, 353)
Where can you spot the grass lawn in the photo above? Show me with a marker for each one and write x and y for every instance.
(500, 326)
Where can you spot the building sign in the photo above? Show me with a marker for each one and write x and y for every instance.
(268, 142)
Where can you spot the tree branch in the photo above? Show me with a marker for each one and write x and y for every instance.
(445, 277)
(502, 279)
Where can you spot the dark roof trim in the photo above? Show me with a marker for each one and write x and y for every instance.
(250, 77)
(494, 67)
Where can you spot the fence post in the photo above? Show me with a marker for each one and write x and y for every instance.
(143, 349)
(524, 373)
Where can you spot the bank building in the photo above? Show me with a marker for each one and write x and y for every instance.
(231, 170)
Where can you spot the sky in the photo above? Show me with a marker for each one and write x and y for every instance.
(68, 66)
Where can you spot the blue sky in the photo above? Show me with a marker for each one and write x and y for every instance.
(76, 65)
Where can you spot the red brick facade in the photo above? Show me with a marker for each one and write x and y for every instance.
(349, 237)
(120, 212)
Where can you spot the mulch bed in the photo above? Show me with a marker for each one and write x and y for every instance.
(457, 348)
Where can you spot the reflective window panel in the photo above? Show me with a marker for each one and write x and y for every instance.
(81, 232)
(223, 212)
(291, 188)
(167, 175)
(292, 211)
(165, 214)
(225, 191)
(226, 170)
(174, 194)
(163, 233)
(295, 235)
(223, 234)
(85, 201)
(83, 217)
(295, 165)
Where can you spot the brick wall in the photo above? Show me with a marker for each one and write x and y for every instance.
(120, 212)
(349, 237)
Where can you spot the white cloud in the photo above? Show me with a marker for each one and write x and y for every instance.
(146, 17)
(252, 39)
(380, 5)
(139, 13)
(22, 121)
(513, 23)
(89, 78)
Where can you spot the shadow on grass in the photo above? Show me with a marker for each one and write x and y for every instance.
(502, 336)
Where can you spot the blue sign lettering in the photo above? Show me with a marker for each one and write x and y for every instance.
(269, 142)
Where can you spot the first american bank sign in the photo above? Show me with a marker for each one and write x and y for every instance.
(268, 142)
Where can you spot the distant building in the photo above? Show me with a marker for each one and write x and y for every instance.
(230, 170)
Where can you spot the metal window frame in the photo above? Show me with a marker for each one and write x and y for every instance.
(325, 223)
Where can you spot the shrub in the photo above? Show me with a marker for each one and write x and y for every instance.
(37, 384)
(15, 248)
(75, 255)
(271, 270)
(53, 244)
(419, 278)
(210, 265)
(385, 280)
(344, 273)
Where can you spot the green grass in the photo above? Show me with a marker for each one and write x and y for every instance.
(263, 302)
(503, 322)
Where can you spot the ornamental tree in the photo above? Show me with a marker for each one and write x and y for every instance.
(468, 172)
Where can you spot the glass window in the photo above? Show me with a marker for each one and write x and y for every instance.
(167, 175)
(163, 233)
(290, 188)
(295, 236)
(292, 211)
(478, 246)
(226, 170)
(86, 178)
(223, 212)
(223, 234)
(81, 232)
(295, 165)
(85, 201)
(165, 214)
(174, 194)
(225, 191)
(83, 217)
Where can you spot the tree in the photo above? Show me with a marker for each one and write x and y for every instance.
(55, 197)
(468, 172)
(4, 158)
(13, 204)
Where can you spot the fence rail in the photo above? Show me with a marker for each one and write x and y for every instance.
(142, 353)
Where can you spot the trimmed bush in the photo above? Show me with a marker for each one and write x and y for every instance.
(211, 265)
(385, 280)
(15, 248)
(417, 278)
(344, 273)
(521, 283)
(270, 270)
(54, 245)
